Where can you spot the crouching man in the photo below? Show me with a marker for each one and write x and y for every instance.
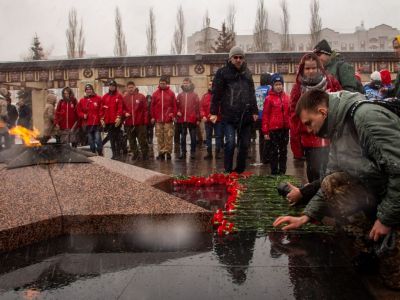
(361, 190)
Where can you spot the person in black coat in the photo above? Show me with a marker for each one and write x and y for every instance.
(233, 94)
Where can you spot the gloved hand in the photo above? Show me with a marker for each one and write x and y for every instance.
(117, 121)
(103, 124)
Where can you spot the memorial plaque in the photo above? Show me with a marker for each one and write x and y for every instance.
(214, 68)
(134, 71)
(61, 84)
(119, 72)
(183, 70)
(3, 77)
(366, 68)
(58, 75)
(73, 84)
(29, 75)
(265, 68)
(167, 70)
(151, 71)
(73, 74)
(383, 65)
(104, 72)
(283, 68)
(44, 75)
(15, 76)
(252, 68)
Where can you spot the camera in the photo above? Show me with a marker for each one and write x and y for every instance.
(283, 189)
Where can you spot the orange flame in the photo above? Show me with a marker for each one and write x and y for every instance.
(28, 136)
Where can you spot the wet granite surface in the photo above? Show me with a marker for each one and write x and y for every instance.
(40, 202)
(248, 266)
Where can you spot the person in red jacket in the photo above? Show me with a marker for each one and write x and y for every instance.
(210, 126)
(275, 124)
(89, 112)
(163, 112)
(310, 75)
(188, 113)
(112, 109)
(66, 117)
(136, 120)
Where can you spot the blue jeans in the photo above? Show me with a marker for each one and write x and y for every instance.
(192, 132)
(243, 135)
(94, 139)
(217, 127)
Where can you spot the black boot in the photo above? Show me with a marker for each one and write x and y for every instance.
(168, 156)
(192, 155)
(160, 156)
(182, 156)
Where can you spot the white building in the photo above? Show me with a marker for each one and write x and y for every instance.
(378, 38)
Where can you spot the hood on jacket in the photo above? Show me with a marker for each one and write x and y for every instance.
(308, 56)
(189, 89)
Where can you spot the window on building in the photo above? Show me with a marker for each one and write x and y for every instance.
(362, 45)
(343, 47)
(351, 47)
(335, 43)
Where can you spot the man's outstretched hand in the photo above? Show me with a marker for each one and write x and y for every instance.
(292, 222)
(378, 230)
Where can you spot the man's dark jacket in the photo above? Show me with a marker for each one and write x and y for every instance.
(233, 94)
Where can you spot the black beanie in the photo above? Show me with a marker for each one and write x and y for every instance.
(323, 47)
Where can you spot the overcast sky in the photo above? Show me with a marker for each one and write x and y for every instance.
(21, 19)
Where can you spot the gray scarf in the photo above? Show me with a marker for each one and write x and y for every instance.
(315, 83)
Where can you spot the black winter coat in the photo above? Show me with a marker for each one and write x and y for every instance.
(234, 95)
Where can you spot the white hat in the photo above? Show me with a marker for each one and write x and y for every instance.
(376, 76)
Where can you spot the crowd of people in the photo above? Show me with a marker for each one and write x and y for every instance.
(351, 151)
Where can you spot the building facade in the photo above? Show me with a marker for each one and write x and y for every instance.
(378, 38)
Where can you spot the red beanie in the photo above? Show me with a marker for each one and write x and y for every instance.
(386, 78)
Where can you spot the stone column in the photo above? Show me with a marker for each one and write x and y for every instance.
(38, 103)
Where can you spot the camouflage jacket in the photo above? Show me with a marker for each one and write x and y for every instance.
(367, 147)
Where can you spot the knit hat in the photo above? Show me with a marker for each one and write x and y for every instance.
(265, 79)
(385, 76)
(277, 77)
(89, 86)
(376, 76)
(236, 50)
(323, 47)
(112, 82)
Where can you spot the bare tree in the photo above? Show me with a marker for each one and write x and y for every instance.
(75, 40)
(179, 34)
(151, 34)
(285, 39)
(81, 41)
(120, 48)
(260, 34)
(230, 26)
(316, 23)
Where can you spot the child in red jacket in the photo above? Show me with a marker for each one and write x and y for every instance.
(275, 124)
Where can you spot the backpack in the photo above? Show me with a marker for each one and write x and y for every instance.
(392, 104)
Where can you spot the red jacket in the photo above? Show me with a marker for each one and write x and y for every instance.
(187, 103)
(163, 105)
(205, 105)
(91, 106)
(276, 112)
(136, 106)
(112, 107)
(66, 115)
(299, 137)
